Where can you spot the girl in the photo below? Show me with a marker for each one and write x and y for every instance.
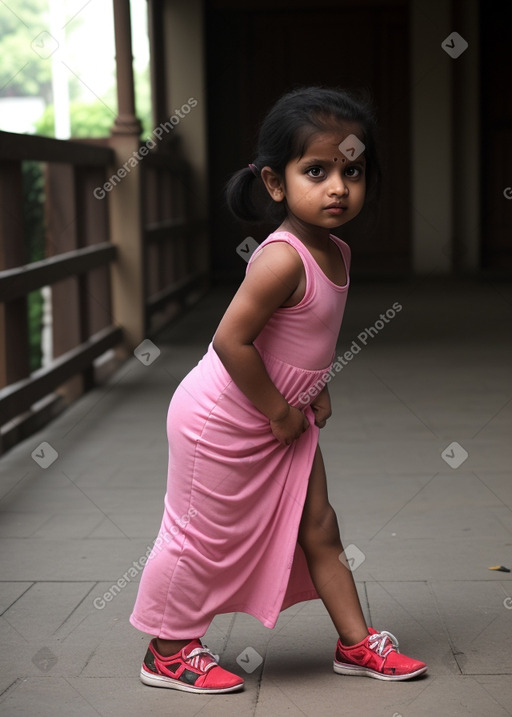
(247, 524)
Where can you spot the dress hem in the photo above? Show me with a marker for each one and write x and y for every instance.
(268, 622)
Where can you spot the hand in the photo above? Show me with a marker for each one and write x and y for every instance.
(290, 427)
(321, 406)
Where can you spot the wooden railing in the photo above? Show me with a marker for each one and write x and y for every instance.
(175, 242)
(84, 265)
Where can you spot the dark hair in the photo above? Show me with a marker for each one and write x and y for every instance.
(285, 134)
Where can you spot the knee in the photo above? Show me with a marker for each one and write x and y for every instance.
(319, 531)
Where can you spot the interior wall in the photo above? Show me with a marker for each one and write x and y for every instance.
(495, 24)
(444, 124)
(185, 62)
(258, 50)
(432, 141)
(467, 137)
(445, 138)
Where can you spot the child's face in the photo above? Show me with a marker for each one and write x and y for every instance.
(326, 187)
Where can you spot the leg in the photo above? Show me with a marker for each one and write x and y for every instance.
(319, 537)
(170, 647)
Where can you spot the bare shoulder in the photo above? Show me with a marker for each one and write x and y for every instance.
(279, 257)
(274, 273)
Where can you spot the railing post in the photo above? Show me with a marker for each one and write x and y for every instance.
(128, 289)
(14, 362)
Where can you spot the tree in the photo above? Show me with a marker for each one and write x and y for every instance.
(87, 120)
(23, 73)
(95, 119)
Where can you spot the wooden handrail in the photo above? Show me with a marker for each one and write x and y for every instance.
(162, 231)
(172, 229)
(19, 397)
(166, 247)
(170, 163)
(18, 282)
(46, 149)
(174, 292)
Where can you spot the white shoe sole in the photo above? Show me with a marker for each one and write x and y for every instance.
(160, 681)
(343, 669)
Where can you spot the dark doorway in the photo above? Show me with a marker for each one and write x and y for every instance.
(256, 51)
(496, 148)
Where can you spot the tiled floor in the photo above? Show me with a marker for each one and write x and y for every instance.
(425, 529)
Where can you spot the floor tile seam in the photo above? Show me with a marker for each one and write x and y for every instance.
(32, 583)
(493, 696)
(410, 615)
(83, 697)
(11, 687)
(445, 627)
(89, 534)
(93, 586)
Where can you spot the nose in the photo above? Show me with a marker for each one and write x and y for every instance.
(338, 186)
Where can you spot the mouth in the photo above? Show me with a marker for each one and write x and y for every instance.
(335, 209)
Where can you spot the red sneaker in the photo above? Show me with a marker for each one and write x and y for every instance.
(193, 669)
(376, 656)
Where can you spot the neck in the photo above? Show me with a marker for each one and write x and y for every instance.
(309, 234)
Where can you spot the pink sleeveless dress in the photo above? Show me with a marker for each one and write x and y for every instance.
(235, 495)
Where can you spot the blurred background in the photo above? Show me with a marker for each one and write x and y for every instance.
(120, 123)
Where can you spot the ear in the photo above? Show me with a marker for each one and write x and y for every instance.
(273, 183)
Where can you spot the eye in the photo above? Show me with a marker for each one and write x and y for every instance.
(354, 171)
(315, 172)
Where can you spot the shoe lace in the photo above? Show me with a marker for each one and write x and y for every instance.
(383, 643)
(203, 650)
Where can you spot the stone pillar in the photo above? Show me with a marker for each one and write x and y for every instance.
(157, 61)
(126, 121)
(126, 230)
(431, 137)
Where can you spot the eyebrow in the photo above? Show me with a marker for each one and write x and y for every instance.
(315, 160)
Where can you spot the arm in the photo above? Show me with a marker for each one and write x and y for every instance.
(321, 406)
(274, 275)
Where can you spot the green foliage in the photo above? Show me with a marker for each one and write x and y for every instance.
(33, 219)
(35, 324)
(87, 120)
(94, 119)
(22, 72)
(33, 210)
(143, 101)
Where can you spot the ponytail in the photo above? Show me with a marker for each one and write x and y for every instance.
(239, 194)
